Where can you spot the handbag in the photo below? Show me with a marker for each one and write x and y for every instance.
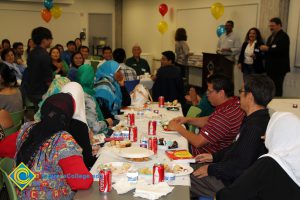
(140, 95)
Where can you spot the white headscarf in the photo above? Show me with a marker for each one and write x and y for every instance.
(77, 93)
(283, 143)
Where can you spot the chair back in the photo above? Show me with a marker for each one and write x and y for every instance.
(130, 85)
(193, 112)
(17, 116)
(13, 129)
(6, 167)
(291, 85)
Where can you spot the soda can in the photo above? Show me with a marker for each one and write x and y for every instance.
(161, 101)
(152, 127)
(152, 144)
(133, 133)
(144, 142)
(158, 173)
(105, 180)
(130, 119)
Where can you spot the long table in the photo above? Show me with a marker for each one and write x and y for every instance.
(182, 183)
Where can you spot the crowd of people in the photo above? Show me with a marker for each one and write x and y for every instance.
(239, 149)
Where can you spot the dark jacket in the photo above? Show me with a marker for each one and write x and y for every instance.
(278, 57)
(257, 61)
(169, 84)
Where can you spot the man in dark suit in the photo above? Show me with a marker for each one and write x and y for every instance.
(277, 54)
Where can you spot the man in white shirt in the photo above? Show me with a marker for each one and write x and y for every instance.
(84, 50)
(229, 43)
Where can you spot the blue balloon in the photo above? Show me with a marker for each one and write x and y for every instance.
(220, 30)
(48, 4)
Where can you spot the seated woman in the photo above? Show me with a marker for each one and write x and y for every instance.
(59, 66)
(10, 95)
(76, 61)
(8, 58)
(275, 175)
(95, 119)
(110, 89)
(79, 129)
(50, 152)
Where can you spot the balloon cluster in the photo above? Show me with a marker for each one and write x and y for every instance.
(50, 10)
(217, 10)
(162, 26)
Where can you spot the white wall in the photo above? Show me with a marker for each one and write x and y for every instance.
(80, 8)
(140, 19)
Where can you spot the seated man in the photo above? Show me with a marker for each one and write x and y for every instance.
(119, 56)
(139, 64)
(84, 50)
(168, 81)
(221, 127)
(71, 48)
(107, 55)
(229, 163)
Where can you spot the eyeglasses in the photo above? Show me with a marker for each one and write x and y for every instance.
(243, 90)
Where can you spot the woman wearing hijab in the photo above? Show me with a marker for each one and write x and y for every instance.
(51, 153)
(275, 175)
(54, 88)
(79, 127)
(95, 119)
(111, 93)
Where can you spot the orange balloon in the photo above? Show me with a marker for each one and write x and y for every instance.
(46, 15)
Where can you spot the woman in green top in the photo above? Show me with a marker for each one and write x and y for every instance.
(96, 122)
(59, 66)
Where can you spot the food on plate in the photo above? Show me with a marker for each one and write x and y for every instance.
(120, 144)
(116, 168)
(176, 169)
(172, 104)
(139, 159)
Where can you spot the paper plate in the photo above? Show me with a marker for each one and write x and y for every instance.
(135, 152)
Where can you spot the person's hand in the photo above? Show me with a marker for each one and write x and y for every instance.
(19, 61)
(180, 120)
(109, 121)
(174, 126)
(239, 66)
(201, 171)
(264, 48)
(204, 157)
(95, 149)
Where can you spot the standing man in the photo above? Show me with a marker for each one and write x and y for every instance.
(139, 64)
(229, 43)
(277, 54)
(221, 168)
(38, 75)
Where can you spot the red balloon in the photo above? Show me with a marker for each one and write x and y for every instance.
(163, 9)
(46, 15)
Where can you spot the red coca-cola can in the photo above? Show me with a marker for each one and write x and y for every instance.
(133, 133)
(152, 144)
(161, 101)
(158, 173)
(105, 180)
(152, 127)
(130, 119)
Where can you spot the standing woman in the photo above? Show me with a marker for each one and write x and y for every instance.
(251, 58)
(30, 47)
(182, 50)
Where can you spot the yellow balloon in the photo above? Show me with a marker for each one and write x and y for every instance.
(217, 10)
(56, 11)
(162, 27)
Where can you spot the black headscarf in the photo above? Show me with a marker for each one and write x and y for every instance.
(56, 115)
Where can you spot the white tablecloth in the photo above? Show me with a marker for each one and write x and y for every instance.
(285, 105)
(107, 155)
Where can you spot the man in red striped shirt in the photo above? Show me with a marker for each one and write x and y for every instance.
(220, 128)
